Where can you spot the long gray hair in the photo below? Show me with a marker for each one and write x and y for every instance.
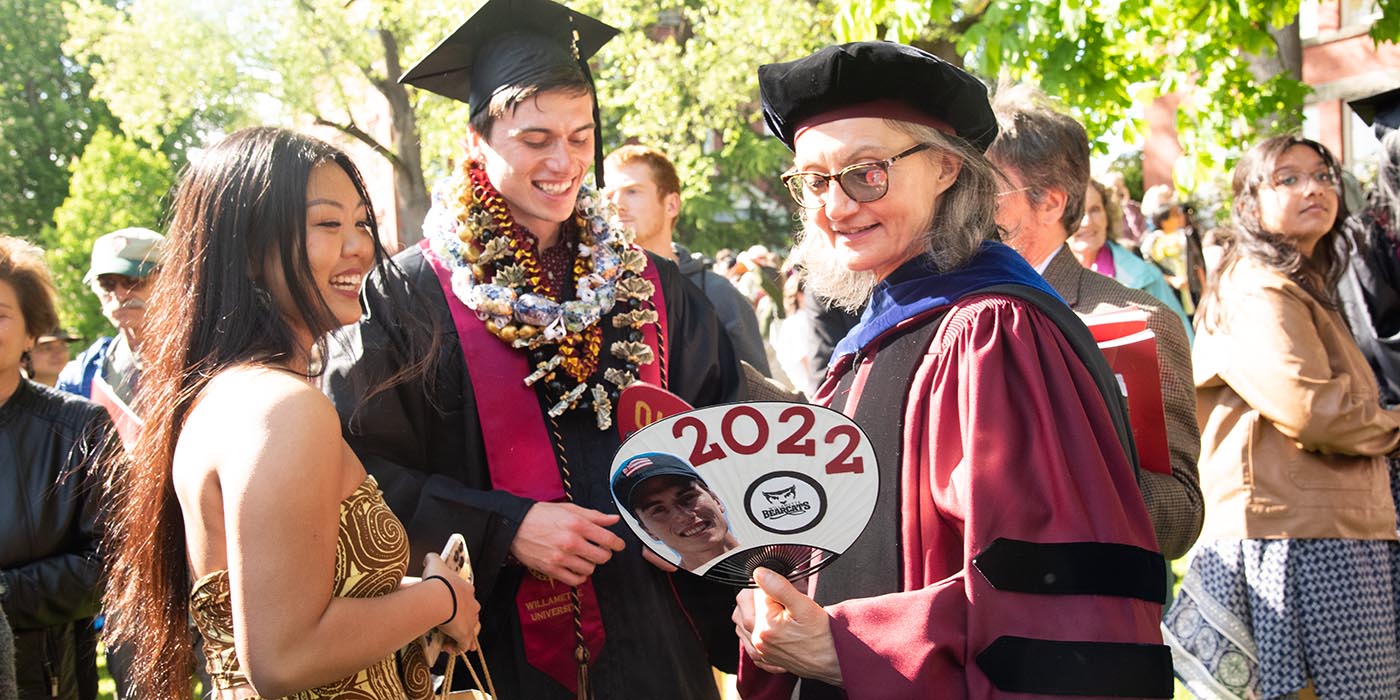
(964, 216)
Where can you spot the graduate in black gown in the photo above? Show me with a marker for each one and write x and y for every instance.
(544, 312)
(1370, 289)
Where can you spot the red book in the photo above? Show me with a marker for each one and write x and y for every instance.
(1131, 351)
(1116, 323)
(127, 422)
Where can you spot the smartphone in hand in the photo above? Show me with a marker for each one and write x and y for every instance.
(455, 555)
(456, 558)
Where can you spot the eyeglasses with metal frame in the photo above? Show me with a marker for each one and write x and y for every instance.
(1298, 182)
(862, 182)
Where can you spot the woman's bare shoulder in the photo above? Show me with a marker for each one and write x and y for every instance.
(255, 393)
(247, 414)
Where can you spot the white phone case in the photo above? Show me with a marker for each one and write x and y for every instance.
(455, 555)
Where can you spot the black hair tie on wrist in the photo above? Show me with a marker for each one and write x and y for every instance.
(450, 591)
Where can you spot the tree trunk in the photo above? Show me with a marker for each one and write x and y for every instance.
(1286, 59)
(1290, 48)
(411, 199)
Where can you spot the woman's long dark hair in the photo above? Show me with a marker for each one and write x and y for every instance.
(240, 204)
(1316, 274)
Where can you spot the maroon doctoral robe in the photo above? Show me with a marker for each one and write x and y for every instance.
(1005, 436)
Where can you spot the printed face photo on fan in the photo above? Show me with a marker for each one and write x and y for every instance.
(686, 516)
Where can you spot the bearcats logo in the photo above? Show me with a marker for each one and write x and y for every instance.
(785, 502)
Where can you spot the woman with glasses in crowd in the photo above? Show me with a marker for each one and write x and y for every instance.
(1295, 580)
(966, 373)
(242, 505)
(49, 443)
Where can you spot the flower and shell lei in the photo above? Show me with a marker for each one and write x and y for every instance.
(496, 273)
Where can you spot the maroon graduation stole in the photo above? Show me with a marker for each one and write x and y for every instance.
(520, 458)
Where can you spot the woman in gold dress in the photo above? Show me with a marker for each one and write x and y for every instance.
(241, 504)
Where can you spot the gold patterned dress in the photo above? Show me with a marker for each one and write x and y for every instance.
(371, 556)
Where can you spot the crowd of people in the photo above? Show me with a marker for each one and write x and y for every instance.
(250, 480)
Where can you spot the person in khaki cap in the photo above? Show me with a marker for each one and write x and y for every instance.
(123, 269)
(122, 275)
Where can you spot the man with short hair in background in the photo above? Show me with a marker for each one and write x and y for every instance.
(645, 190)
(1134, 223)
(1044, 156)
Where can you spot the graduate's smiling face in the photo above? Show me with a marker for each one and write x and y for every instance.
(880, 235)
(537, 155)
(683, 514)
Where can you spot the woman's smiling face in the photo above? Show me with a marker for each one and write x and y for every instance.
(876, 236)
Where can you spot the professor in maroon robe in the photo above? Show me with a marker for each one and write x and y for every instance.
(1010, 553)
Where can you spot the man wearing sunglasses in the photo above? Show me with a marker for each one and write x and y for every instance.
(122, 274)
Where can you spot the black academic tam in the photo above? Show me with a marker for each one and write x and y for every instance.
(838, 77)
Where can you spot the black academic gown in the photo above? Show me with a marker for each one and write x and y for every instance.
(423, 443)
(1370, 292)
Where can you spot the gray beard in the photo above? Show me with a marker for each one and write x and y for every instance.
(827, 278)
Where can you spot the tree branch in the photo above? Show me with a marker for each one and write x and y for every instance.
(359, 134)
(971, 15)
(392, 70)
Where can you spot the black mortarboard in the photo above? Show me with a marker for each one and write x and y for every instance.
(901, 80)
(1381, 110)
(510, 42)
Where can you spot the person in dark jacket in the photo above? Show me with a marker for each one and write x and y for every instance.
(1370, 288)
(49, 440)
(645, 191)
(509, 439)
(8, 689)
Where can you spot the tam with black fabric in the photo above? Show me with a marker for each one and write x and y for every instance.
(854, 79)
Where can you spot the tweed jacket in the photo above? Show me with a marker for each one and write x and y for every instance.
(1173, 500)
(1293, 435)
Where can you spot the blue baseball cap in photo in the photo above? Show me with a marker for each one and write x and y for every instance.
(647, 465)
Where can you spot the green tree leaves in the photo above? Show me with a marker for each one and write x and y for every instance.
(46, 115)
(684, 80)
(1101, 58)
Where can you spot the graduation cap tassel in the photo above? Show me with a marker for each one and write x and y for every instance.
(597, 115)
(597, 129)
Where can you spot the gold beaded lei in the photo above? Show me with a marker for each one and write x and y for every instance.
(496, 273)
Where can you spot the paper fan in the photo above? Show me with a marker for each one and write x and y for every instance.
(721, 491)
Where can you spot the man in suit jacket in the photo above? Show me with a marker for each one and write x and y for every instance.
(1044, 156)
